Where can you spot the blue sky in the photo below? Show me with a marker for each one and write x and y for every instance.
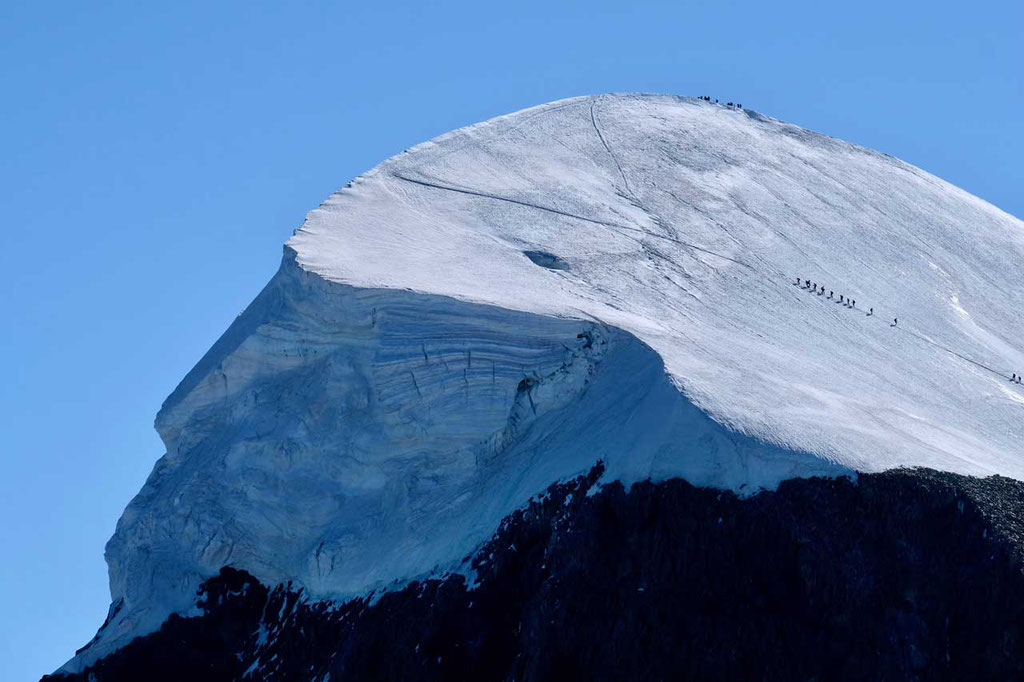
(153, 158)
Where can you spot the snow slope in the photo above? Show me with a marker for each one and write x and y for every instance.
(603, 277)
(686, 223)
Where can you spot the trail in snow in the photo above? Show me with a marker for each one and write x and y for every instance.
(485, 195)
(615, 160)
(472, 192)
(963, 357)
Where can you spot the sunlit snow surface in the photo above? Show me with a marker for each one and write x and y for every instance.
(606, 278)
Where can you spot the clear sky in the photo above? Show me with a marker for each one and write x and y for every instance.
(155, 156)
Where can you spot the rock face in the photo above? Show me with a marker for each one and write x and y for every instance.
(617, 279)
(900, 576)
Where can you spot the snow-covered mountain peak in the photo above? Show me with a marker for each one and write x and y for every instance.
(607, 278)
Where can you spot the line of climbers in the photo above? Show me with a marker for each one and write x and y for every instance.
(728, 104)
(845, 300)
(852, 303)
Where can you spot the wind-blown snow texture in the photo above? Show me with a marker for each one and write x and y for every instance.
(599, 278)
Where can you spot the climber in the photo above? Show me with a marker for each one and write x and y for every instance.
(871, 312)
(1013, 377)
(840, 298)
(854, 304)
(830, 293)
(895, 322)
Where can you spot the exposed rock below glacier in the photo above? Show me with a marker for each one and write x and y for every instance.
(904, 575)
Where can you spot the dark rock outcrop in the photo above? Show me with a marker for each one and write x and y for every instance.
(906, 575)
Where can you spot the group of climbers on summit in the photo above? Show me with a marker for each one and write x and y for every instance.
(728, 104)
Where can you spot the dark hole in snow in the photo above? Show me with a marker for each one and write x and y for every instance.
(546, 260)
